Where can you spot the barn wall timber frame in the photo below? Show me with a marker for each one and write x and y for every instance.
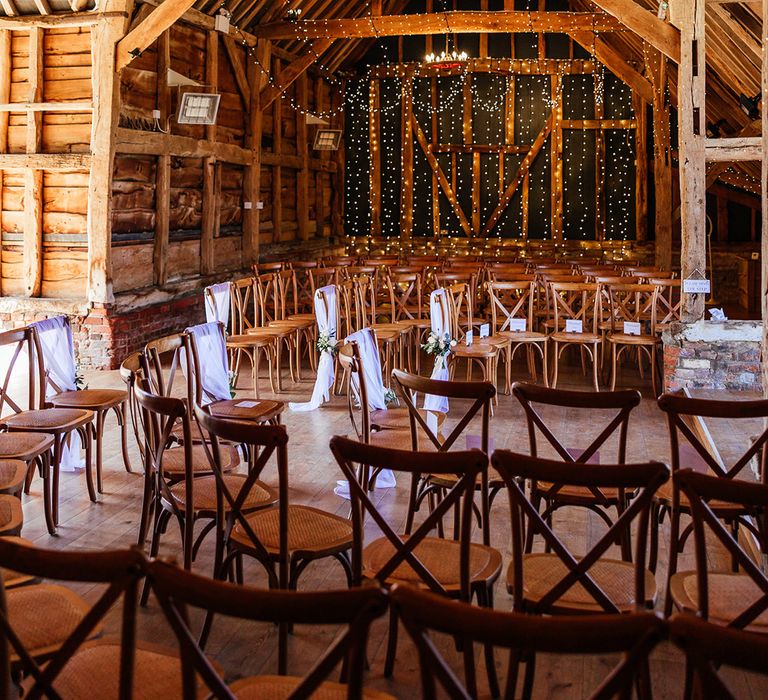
(103, 216)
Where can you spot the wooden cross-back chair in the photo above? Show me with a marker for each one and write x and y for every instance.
(670, 301)
(576, 301)
(592, 406)
(304, 284)
(323, 277)
(68, 657)
(426, 434)
(267, 267)
(406, 301)
(708, 648)
(631, 637)
(290, 315)
(178, 591)
(284, 540)
(560, 581)
(456, 568)
(32, 432)
(737, 598)
(247, 337)
(634, 303)
(692, 447)
(517, 300)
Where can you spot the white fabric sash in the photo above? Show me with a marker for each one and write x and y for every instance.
(326, 325)
(217, 303)
(212, 355)
(59, 358)
(440, 327)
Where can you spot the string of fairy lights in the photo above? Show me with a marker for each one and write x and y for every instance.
(533, 98)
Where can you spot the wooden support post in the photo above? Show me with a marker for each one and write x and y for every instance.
(252, 176)
(406, 140)
(33, 179)
(374, 127)
(641, 167)
(435, 140)
(321, 107)
(302, 150)
(106, 110)
(5, 96)
(163, 173)
(599, 169)
(556, 160)
(656, 65)
(468, 140)
(211, 201)
(35, 90)
(692, 133)
(337, 198)
(277, 171)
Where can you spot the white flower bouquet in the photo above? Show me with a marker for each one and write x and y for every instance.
(326, 343)
(437, 345)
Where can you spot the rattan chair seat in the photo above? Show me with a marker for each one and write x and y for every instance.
(94, 399)
(448, 480)
(571, 493)
(664, 495)
(563, 337)
(309, 530)
(280, 687)
(301, 321)
(261, 412)
(396, 418)
(12, 475)
(523, 336)
(415, 322)
(43, 616)
(479, 348)
(55, 420)
(13, 578)
(174, 462)
(729, 595)
(627, 339)
(94, 672)
(439, 556)
(24, 446)
(616, 578)
(394, 439)
(11, 516)
(397, 327)
(204, 493)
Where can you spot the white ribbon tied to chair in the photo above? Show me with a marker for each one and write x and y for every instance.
(212, 355)
(369, 357)
(217, 303)
(59, 358)
(325, 313)
(440, 327)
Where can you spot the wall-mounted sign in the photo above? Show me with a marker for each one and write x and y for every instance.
(695, 286)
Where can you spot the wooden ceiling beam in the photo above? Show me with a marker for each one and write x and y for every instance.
(292, 71)
(457, 22)
(140, 38)
(614, 61)
(658, 33)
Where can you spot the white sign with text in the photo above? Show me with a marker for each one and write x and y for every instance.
(574, 325)
(691, 286)
(485, 330)
(518, 324)
(468, 338)
(632, 328)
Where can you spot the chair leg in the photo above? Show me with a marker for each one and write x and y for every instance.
(614, 350)
(146, 507)
(389, 662)
(121, 412)
(57, 450)
(88, 432)
(45, 473)
(674, 537)
(556, 363)
(595, 378)
(99, 434)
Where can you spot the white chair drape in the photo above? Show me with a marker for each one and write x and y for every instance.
(438, 316)
(212, 354)
(217, 303)
(325, 313)
(59, 358)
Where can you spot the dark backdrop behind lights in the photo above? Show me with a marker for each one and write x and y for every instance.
(580, 218)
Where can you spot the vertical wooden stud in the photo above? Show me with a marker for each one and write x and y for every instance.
(302, 150)
(163, 173)
(641, 167)
(406, 140)
(211, 202)
(374, 131)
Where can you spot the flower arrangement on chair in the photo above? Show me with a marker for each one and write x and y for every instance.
(327, 343)
(439, 346)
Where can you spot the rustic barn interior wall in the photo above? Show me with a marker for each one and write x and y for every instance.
(533, 138)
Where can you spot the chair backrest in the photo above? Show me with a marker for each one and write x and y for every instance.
(685, 418)
(322, 277)
(670, 299)
(708, 647)
(480, 394)
(425, 616)
(405, 296)
(460, 307)
(268, 296)
(244, 305)
(160, 353)
(365, 297)
(304, 285)
(643, 479)
(356, 389)
(177, 590)
(287, 293)
(577, 301)
(465, 466)
(634, 303)
(511, 300)
(620, 403)
(263, 441)
(701, 489)
(261, 268)
(119, 571)
(20, 345)
(131, 371)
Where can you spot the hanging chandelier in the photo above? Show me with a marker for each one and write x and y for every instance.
(449, 58)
